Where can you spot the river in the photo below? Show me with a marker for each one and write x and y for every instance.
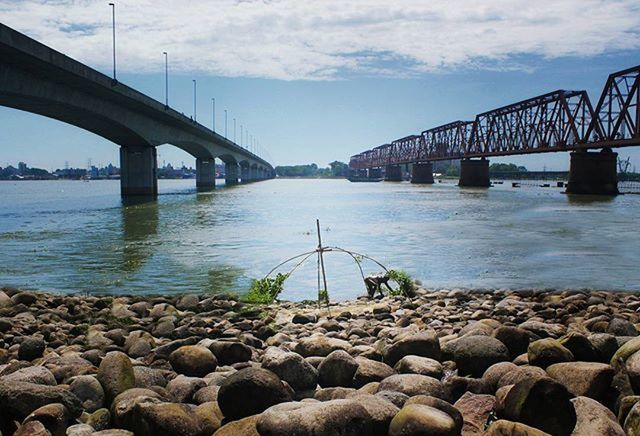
(72, 236)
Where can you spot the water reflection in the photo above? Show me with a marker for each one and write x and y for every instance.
(589, 199)
(139, 227)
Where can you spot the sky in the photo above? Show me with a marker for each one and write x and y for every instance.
(317, 81)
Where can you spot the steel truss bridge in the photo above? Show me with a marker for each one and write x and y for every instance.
(558, 121)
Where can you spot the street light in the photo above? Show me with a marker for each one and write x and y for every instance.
(213, 102)
(166, 79)
(194, 100)
(113, 27)
(241, 135)
(234, 130)
(225, 124)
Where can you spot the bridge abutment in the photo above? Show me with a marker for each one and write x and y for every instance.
(474, 173)
(205, 174)
(231, 174)
(374, 173)
(422, 172)
(593, 173)
(393, 173)
(138, 171)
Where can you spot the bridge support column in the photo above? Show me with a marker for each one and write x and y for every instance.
(474, 173)
(393, 173)
(422, 173)
(245, 174)
(205, 174)
(138, 171)
(231, 174)
(593, 173)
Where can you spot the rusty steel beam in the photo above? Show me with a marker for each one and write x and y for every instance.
(558, 121)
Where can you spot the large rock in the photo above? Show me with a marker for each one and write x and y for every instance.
(589, 379)
(337, 369)
(514, 338)
(474, 354)
(423, 344)
(413, 384)
(544, 329)
(621, 327)
(168, 419)
(19, 399)
(115, 374)
(545, 352)
(419, 365)
(439, 404)
(502, 427)
(370, 371)
(32, 374)
(624, 352)
(495, 372)
(336, 417)
(125, 409)
(245, 427)
(320, 345)
(594, 419)
(290, 367)
(193, 361)
(55, 417)
(580, 346)
(228, 352)
(605, 346)
(418, 419)
(379, 409)
(249, 392)
(542, 403)
(183, 388)
(31, 348)
(475, 410)
(88, 390)
(519, 374)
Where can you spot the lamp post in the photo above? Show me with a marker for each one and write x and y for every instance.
(194, 100)
(234, 130)
(213, 102)
(166, 79)
(113, 29)
(225, 124)
(241, 134)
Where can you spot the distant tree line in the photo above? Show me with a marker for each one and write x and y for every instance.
(506, 168)
(335, 169)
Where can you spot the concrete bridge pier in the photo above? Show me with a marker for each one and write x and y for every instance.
(245, 174)
(393, 173)
(205, 174)
(231, 173)
(375, 173)
(474, 173)
(593, 173)
(422, 173)
(138, 171)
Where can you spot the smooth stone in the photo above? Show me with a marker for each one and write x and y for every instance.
(370, 371)
(419, 365)
(33, 374)
(594, 419)
(439, 404)
(337, 369)
(418, 419)
(514, 338)
(474, 354)
(245, 427)
(53, 416)
(115, 374)
(502, 427)
(228, 352)
(89, 390)
(193, 361)
(413, 384)
(424, 344)
(31, 348)
(290, 367)
(589, 379)
(545, 352)
(475, 410)
(19, 399)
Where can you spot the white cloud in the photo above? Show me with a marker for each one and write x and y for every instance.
(324, 39)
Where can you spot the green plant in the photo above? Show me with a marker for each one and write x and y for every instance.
(404, 281)
(323, 296)
(266, 290)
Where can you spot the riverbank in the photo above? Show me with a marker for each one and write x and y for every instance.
(445, 362)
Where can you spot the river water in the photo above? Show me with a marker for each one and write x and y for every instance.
(73, 236)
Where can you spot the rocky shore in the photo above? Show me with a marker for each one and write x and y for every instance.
(448, 362)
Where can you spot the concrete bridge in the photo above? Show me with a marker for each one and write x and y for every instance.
(560, 121)
(38, 79)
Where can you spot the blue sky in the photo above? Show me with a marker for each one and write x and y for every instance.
(319, 81)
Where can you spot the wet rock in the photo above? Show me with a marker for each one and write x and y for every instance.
(343, 417)
(31, 348)
(32, 374)
(589, 379)
(502, 427)
(439, 404)
(19, 399)
(418, 419)
(26, 298)
(475, 410)
(413, 384)
(337, 369)
(424, 344)
(419, 365)
(545, 352)
(542, 403)
(594, 419)
(249, 392)
(89, 391)
(193, 361)
(291, 367)
(53, 416)
(474, 354)
(370, 371)
(115, 374)
(515, 339)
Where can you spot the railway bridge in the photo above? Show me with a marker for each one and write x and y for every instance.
(560, 121)
(38, 79)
